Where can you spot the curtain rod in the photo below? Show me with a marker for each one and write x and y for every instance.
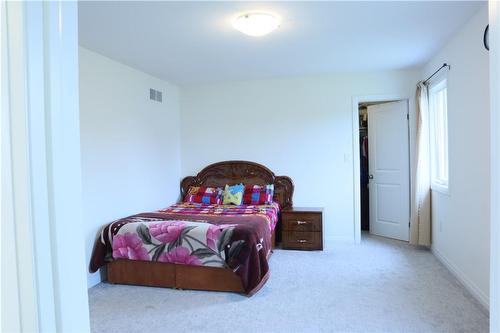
(440, 68)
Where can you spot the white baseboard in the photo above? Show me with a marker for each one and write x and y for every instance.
(483, 299)
(339, 239)
(93, 279)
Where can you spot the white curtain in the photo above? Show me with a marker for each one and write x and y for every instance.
(420, 227)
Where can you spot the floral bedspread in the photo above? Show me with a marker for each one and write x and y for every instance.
(175, 241)
(234, 237)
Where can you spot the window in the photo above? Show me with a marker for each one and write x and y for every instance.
(438, 112)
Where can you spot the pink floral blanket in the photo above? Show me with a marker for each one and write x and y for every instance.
(202, 236)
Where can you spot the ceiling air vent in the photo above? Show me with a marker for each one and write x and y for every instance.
(155, 95)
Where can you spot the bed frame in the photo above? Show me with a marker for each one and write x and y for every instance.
(158, 274)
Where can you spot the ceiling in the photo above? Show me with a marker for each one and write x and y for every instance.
(194, 42)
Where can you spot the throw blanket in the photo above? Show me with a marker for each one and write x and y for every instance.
(271, 211)
(194, 235)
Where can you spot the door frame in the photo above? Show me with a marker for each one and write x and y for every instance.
(494, 29)
(356, 100)
(40, 148)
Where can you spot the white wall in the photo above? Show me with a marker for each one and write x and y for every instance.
(129, 143)
(461, 229)
(300, 127)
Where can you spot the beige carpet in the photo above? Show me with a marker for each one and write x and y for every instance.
(378, 286)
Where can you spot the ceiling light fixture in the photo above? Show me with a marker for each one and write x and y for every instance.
(256, 24)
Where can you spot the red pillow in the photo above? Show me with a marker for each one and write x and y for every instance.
(258, 194)
(203, 194)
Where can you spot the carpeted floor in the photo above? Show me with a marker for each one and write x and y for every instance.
(378, 286)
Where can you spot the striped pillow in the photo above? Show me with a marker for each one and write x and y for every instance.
(258, 194)
(203, 194)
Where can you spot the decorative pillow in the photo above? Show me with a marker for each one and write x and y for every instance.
(258, 194)
(203, 194)
(233, 194)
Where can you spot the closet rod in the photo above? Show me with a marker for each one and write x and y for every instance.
(440, 68)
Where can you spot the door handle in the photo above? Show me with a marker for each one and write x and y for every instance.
(370, 177)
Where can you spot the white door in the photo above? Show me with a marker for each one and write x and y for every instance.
(388, 158)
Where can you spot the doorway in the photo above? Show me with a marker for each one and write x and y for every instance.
(383, 180)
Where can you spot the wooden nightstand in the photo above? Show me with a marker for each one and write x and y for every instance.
(302, 228)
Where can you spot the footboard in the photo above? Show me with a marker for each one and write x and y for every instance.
(159, 274)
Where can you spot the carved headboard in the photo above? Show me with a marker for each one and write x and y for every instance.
(235, 172)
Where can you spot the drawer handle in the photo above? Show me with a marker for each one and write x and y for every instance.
(301, 240)
(301, 222)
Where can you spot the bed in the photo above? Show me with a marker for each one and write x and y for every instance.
(195, 245)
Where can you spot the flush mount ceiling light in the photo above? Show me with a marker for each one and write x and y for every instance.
(256, 24)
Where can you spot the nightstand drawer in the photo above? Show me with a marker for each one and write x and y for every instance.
(302, 240)
(302, 222)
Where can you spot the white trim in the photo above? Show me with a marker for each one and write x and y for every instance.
(17, 252)
(64, 165)
(439, 185)
(494, 32)
(436, 187)
(10, 314)
(338, 239)
(462, 278)
(42, 238)
(355, 152)
(42, 248)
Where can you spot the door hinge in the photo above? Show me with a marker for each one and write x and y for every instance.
(408, 116)
(409, 224)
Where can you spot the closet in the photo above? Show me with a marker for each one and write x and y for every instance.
(363, 158)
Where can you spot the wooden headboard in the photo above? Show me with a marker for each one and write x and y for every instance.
(235, 172)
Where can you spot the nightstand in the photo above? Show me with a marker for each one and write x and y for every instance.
(302, 228)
